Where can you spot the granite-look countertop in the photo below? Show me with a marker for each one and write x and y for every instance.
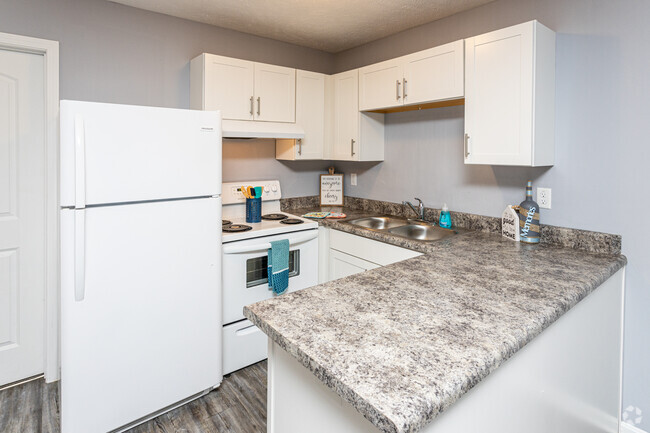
(403, 342)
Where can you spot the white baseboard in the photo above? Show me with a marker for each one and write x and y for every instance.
(628, 428)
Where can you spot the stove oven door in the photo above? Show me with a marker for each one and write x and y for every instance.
(245, 279)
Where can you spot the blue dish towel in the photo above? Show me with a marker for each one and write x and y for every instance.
(278, 269)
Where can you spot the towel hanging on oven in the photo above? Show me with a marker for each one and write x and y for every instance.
(278, 267)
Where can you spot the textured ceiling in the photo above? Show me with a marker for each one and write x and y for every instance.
(328, 25)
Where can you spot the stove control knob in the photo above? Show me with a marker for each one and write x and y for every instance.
(274, 188)
(267, 189)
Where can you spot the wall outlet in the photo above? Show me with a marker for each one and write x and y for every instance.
(353, 179)
(544, 198)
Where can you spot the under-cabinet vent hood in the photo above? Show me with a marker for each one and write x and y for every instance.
(252, 129)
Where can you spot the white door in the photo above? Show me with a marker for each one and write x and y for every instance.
(229, 87)
(275, 93)
(380, 85)
(310, 114)
(346, 116)
(435, 74)
(344, 265)
(499, 97)
(22, 215)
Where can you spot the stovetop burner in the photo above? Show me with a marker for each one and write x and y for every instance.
(233, 228)
(225, 223)
(274, 216)
(291, 221)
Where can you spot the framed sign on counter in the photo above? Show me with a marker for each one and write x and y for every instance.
(331, 189)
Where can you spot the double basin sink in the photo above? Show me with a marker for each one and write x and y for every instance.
(416, 230)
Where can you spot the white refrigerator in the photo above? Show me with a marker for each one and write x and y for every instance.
(140, 262)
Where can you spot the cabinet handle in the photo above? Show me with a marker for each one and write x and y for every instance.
(466, 145)
(259, 105)
(404, 89)
(300, 146)
(252, 106)
(352, 147)
(397, 83)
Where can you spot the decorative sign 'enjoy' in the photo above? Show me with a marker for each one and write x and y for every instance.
(331, 189)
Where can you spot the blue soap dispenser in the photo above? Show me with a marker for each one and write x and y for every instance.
(445, 218)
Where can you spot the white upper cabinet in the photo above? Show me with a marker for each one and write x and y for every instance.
(380, 85)
(243, 90)
(427, 76)
(346, 116)
(435, 74)
(222, 83)
(510, 96)
(275, 93)
(310, 115)
(357, 136)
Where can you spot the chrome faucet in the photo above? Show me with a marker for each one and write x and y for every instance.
(419, 211)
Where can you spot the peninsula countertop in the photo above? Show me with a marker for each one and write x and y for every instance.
(403, 342)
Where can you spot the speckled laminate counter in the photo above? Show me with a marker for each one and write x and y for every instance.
(403, 342)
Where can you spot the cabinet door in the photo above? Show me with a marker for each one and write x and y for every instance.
(380, 85)
(229, 87)
(498, 97)
(275, 93)
(344, 265)
(435, 74)
(346, 116)
(310, 114)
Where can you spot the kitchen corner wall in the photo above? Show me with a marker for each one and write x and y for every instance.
(114, 53)
(600, 176)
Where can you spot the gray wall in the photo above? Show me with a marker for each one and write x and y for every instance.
(114, 53)
(600, 177)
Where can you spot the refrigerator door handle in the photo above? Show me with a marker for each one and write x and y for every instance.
(79, 163)
(80, 255)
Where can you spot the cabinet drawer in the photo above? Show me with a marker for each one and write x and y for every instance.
(368, 249)
(243, 344)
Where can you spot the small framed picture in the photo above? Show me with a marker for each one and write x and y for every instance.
(331, 189)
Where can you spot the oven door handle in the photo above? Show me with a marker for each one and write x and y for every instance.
(233, 248)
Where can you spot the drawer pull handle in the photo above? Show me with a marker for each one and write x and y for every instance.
(247, 331)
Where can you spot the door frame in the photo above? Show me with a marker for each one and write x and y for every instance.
(50, 51)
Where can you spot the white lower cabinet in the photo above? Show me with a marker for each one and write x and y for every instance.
(344, 265)
(350, 254)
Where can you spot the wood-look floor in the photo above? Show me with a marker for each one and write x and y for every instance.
(237, 406)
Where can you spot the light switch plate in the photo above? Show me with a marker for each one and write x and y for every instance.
(544, 198)
(353, 179)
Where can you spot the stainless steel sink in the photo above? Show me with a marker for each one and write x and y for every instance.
(422, 232)
(378, 223)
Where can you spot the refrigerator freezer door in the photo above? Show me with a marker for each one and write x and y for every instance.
(147, 332)
(123, 153)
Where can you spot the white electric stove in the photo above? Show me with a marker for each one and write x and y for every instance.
(245, 259)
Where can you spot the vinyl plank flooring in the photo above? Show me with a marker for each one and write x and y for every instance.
(237, 406)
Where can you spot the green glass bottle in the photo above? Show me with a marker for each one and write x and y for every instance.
(529, 218)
